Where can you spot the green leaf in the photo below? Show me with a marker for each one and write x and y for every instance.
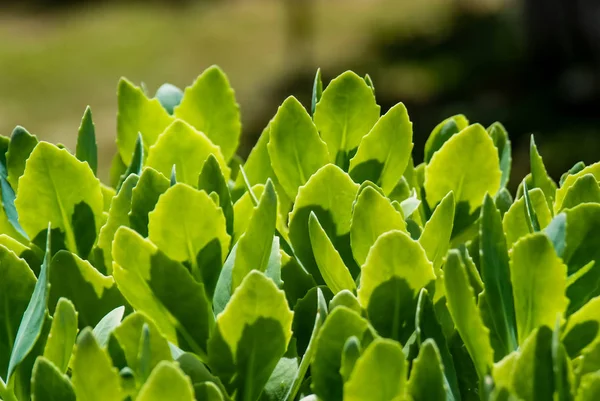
(169, 97)
(137, 114)
(63, 333)
(532, 220)
(92, 293)
(502, 143)
(345, 114)
(341, 324)
(384, 152)
(539, 177)
(577, 167)
(209, 105)
(118, 215)
(317, 92)
(533, 376)
(251, 335)
(144, 197)
(295, 148)
(372, 216)
(470, 178)
(243, 211)
(211, 179)
(394, 255)
(188, 227)
(369, 82)
(9, 216)
(589, 389)
(435, 238)
(87, 150)
(515, 219)
(331, 266)
(107, 325)
(281, 380)
(539, 280)
(164, 289)
(593, 169)
(50, 384)
(100, 383)
(167, 382)
(461, 304)
(128, 335)
(585, 189)
(350, 354)
(442, 132)
(136, 164)
(428, 327)
(17, 283)
(254, 246)
(495, 272)
(582, 233)
(427, 380)
(208, 391)
(562, 367)
(582, 329)
(32, 322)
(379, 373)
(20, 147)
(186, 148)
(347, 299)
(57, 188)
(329, 193)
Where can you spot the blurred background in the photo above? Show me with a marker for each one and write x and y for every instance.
(533, 65)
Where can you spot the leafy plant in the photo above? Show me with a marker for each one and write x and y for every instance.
(326, 267)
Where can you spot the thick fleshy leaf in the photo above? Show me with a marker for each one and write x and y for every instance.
(435, 238)
(128, 335)
(144, 196)
(57, 188)
(164, 289)
(317, 91)
(341, 324)
(427, 326)
(329, 193)
(461, 304)
(254, 246)
(166, 382)
(295, 148)
(515, 219)
(136, 165)
(188, 227)
(539, 177)
(394, 255)
(582, 330)
(118, 215)
(442, 132)
(251, 336)
(209, 105)
(20, 147)
(593, 169)
(50, 384)
(92, 293)
(372, 216)
(186, 148)
(533, 375)
(496, 276)
(107, 325)
(427, 380)
(379, 374)
(585, 189)
(34, 316)
(87, 150)
(345, 114)
(211, 179)
(502, 143)
(331, 266)
(17, 283)
(384, 152)
(100, 383)
(63, 333)
(281, 380)
(169, 97)
(137, 114)
(470, 178)
(539, 280)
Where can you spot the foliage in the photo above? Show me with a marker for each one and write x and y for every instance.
(327, 267)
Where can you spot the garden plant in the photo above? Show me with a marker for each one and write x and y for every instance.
(328, 266)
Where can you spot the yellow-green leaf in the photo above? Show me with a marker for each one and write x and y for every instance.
(515, 219)
(186, 148)
(435, 238)
(593, 169)
(167, 382)
(470, 178)
(63, 332)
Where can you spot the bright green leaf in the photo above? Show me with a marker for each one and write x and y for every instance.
(442, 132)
(502, 143)
(50, 384)
(515, 219)
(87, 150)
(63, 333)
(435, 238)
(427, 375)
(211, 179)
(20, 147)
(539, 177)
(593, 169)
(167, 382)
(585, 189)
(144, 196)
